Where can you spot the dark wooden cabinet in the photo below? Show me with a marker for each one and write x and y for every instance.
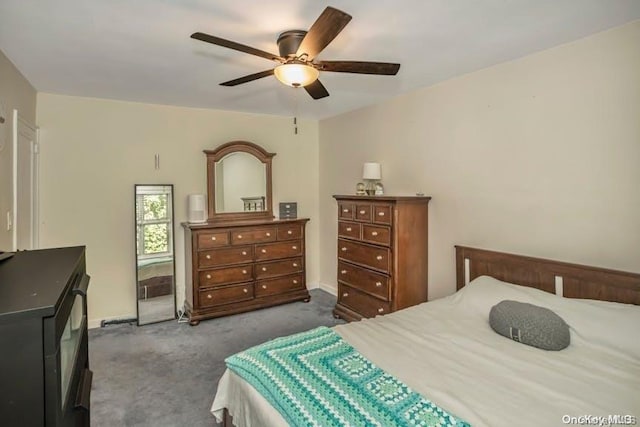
(44, 362)
(382, 254)
(241, 266)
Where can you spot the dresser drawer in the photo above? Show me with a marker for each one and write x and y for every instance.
(346, 210)
(279, 250)
(349, 229)
(253, 235)
(212, 240)
(376, 234)
(226, 295)
(370, 256)
(360, 302)
(363, 212)
(363, 279)
(221, 276)
(383, 214)
(225, 256)
(289, 231)
(279, 285)
(278, 268)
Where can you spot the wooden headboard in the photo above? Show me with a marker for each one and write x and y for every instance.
(571, 280)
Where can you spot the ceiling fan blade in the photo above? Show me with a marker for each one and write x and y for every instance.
(249, 78)
(323, 31)
(316, 90)
(359, 67)
(235, 46)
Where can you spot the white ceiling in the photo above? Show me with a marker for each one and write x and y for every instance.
(140, 50)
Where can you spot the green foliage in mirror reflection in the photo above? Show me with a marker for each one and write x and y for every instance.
(155, 206)
(156, 239)
(153, 234)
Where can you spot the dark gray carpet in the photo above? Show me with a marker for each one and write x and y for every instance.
(166, 374)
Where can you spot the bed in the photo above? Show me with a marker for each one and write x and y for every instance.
(446, 350)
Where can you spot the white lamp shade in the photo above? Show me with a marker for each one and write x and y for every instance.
(371, 171)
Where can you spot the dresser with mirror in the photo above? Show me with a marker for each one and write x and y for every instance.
(242, 258)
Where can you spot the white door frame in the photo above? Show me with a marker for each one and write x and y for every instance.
(21, 126)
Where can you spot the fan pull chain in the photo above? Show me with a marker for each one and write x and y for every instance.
(295, 111)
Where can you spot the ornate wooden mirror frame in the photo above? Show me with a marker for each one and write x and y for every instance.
(216, 155)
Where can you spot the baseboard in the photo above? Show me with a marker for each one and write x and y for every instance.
(332, 289)
(313, 285)
(96, 323)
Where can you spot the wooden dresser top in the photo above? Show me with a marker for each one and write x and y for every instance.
(381, 198)
(231, 224)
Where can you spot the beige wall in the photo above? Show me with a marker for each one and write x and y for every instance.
(538, 156)
(15, 93)
(93, 151)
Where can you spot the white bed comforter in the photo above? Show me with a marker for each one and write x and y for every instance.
(446, 350)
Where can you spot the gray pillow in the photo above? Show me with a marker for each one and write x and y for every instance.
(530, 324)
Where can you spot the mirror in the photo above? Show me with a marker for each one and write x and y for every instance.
(239, 182)
(155, 260)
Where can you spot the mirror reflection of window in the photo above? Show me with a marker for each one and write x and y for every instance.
(155, 270)
(239, 175)
(153, 207)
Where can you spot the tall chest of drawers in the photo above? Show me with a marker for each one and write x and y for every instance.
(382, 254)
(237, 267)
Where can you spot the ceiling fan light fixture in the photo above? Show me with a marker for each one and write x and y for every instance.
(296, 74)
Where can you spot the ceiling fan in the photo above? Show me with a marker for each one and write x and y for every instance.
(298, 49)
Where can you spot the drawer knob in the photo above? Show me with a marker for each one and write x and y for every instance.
(378, 284)
(208, 257)
(244, 271)
(379, 257)
(295, 264)
(381, 310)
(208, 276)
(264, 286)
(343, 249)
(374, 233)
(345, 210)
(289, 231)
(209, 296)
(348, 228)
(343, 271)
(295, 282)
(245, 290)
(244, 252)
(268, 234)
(239, 236)
(294, 247)
(380, 213)
(346, 294)
(264, 268)
(213, 237)
(362, 212)
(264, 251)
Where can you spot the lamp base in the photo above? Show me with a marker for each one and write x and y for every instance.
(370, 187)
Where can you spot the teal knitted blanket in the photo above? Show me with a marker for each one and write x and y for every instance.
(315, 378)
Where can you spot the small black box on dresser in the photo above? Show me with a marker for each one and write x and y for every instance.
(288, 210)
(44, 362)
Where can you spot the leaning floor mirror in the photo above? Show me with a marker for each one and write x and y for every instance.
(155, 259)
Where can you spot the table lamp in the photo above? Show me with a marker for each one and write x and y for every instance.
(371, 174)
